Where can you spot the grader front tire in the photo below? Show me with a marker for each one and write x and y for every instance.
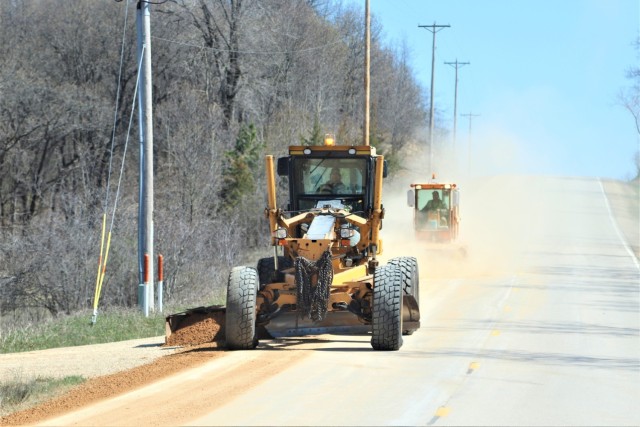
(240, 319)
(387, 308)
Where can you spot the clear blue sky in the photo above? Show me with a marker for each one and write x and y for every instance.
(544, 77)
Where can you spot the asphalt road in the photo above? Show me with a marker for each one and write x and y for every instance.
(538, 325)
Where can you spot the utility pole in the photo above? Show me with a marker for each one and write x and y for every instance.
(145, 115)
(456, 65)
(434, 29)
(367, 62)
(470, 116)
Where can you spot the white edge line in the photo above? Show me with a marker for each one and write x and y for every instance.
(615, 226)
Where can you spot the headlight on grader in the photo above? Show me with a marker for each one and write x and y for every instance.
(346, 232)
(280, 234)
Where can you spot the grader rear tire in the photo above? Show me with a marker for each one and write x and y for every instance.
(387, 308)
(267, 272)
(410, 277)
(410, 281)
(241, 309)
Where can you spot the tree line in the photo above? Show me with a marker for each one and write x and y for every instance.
(233, 80)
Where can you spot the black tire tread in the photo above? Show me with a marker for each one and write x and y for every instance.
(266, 269)
(410, 276)
(240, 319)
(387, 308)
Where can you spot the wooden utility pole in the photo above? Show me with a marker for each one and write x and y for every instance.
(367, 66)
(456, 65)
(434, 29)
(470, 116)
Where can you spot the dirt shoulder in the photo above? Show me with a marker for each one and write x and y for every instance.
(156, 366)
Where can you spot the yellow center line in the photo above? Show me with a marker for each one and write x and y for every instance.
(442, 411)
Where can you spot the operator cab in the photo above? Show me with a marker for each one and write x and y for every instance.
(336, 176)
(436, 210)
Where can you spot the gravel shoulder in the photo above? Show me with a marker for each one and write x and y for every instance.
(88, 361)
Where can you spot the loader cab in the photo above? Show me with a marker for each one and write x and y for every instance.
(337, 176)
(436, 210)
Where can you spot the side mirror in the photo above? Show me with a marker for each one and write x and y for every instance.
(283, 166)
(456, 198)
(410, 198)
(385, 170)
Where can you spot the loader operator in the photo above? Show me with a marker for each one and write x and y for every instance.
(435, 203)
(433, 206)
(334, 185)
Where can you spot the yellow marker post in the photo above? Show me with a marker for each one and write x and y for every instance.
(102, 273)
(96, 292)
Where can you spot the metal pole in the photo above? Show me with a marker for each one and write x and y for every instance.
(367, 65)
(141, 217)
(147, 154)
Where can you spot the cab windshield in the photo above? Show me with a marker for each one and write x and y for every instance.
(327, 179)
(425, 195)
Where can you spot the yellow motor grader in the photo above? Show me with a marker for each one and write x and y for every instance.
(324, 275)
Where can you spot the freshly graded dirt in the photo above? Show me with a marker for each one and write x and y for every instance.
(198, 326)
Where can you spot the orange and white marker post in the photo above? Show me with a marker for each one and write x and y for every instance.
(147, 280)
(160, 282)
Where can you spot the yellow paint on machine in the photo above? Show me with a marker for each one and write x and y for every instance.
(352, 274)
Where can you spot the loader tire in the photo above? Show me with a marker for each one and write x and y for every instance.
(410, 277)
(266, 270)
(387, 308)
(240, 319)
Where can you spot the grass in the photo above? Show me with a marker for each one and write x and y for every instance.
(19, 394)
(76, 329)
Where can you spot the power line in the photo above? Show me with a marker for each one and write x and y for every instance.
(434, 28)
(249, 52)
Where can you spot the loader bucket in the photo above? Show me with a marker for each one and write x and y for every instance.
(195, 326)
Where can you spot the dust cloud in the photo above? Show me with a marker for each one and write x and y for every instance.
(493, 216)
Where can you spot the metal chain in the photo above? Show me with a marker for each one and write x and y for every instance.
(313, 299)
